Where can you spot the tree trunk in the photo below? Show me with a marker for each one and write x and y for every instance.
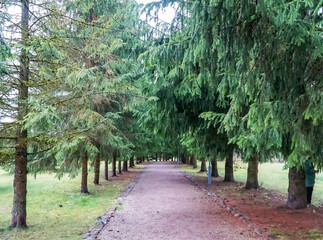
(125, 166)
(106, 169)
(252, 177)
(203, 166)
(131, 164)
(215, 172)
(185, 159)
(114, 165)
(19, 213)
(296, 189)
(84, 188)
(97, 169)
(228, 175)
(189, 160)
(194, 162)
(119, 167)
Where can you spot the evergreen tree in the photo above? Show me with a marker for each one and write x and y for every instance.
(248, 56)
(75, 53)
(270, 80)
(19, 213)
(93, 78)
(181, 82)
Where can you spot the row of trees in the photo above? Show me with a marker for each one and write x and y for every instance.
(70, 91)
(88, 80)
(241, 77)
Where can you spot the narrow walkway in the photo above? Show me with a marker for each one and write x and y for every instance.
(165, 205)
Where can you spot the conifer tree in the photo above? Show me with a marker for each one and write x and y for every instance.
(19, 214)
(271, 80)
(251, 55)
(71, 101)
(19, 83)
(178, 65)
(92, 75)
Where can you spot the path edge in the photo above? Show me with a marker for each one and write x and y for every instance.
(259, 231)
(105, 218)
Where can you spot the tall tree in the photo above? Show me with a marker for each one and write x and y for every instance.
(71, 100)
(19, 213)
(249, 81)
(93, 75)
(269, 51)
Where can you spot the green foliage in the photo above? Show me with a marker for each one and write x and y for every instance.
(83, 86)
(185, 84)
(244, 73)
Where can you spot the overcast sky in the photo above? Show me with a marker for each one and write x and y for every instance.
(166, 14)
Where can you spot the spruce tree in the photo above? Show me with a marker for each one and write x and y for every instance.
(19, 213)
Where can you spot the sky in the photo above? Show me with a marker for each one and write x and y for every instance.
(166, 15)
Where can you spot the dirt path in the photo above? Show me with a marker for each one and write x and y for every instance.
(165, 205)
(267, 211)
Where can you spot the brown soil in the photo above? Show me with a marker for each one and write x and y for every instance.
(266, 208)
(164, 204)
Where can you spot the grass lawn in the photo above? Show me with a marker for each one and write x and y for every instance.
(45, 218)
(271, 176)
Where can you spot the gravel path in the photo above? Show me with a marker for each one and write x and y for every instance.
(165, 205)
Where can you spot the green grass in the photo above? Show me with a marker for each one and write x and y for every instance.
(312, 234)
(270, 176)
(45, 218)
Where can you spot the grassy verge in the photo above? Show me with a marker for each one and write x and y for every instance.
(45, 218)
(271, 176)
